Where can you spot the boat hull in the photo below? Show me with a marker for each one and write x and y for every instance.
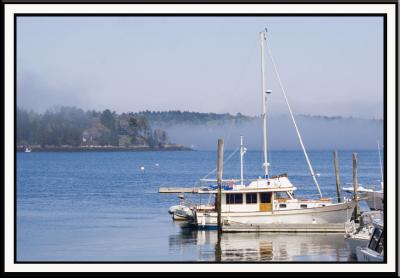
(374, 200)
(367, 255)
(178, 217)
(353, 242)
(335, 213)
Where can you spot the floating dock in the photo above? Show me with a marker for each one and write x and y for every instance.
(235, 227)
(178, 190)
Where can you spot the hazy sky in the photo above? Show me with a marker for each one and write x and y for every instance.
(329, 65)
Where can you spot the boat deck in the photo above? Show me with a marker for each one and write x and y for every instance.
(178, 190)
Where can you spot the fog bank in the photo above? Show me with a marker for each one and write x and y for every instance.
(318, 133)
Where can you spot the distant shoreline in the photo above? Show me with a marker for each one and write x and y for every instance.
(103, 148)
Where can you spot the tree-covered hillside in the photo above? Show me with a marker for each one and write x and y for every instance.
(75, 127)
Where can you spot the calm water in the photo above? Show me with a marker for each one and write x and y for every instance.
(100, 206)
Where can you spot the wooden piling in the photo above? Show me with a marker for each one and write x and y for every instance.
(336, 162)
(355, 186)
(219, 181)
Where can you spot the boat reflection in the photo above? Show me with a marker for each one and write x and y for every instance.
(261, 246)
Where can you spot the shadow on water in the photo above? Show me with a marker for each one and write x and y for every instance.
(261, 246)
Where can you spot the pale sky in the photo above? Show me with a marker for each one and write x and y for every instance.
(330, 66)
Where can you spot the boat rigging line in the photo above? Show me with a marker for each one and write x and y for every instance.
(293, 120)
(225, 161)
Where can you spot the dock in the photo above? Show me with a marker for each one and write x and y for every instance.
(235, 227)
(178, 190)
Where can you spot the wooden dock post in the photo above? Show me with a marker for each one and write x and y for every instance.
(336, 162)
(355, 186)
(219, 181)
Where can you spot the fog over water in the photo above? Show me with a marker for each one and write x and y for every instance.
(318, 133)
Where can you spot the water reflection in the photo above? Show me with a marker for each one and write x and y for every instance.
(261, 246)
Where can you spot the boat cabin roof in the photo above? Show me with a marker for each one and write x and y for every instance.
(273, 184)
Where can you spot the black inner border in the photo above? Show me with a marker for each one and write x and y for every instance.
(180, 2)
(212, 15)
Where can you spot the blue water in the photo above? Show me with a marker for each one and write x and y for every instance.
(100, 206)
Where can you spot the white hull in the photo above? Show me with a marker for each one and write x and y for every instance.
(374, 200)
(368, 255)
(336, 213)
(353, 242)
(177, 217)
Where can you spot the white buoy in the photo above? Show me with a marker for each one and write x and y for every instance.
(142, 168)
(157, 164)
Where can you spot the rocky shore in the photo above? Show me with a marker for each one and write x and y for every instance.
(65, 148)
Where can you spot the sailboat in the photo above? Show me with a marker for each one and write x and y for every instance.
(270, 199)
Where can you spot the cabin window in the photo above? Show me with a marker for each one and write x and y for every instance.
(373, 244)
(282, 195)
(234, 198)
(251, 198)
(303, 206)
(265, 197)
(282, 205)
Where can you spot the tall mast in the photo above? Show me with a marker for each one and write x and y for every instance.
(264, 106)
(241, 159)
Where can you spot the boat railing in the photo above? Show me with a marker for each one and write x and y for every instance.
(308, 197)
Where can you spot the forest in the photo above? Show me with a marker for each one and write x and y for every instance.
(71, 126)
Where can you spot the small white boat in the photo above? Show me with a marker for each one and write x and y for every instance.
(358, 235)
(375, 249)
(28, 150)
(183, 211)
(271, 199)
(373, 198)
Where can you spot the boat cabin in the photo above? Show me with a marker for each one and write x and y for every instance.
(267, 195)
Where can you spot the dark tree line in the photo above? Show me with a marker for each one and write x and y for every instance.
(75, 127)
(187, 117)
